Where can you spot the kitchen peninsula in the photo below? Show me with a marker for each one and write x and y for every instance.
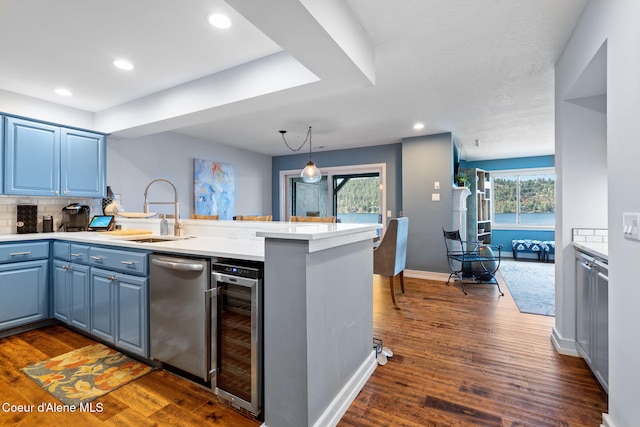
(317, 304)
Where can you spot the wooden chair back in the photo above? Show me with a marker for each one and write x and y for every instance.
(215, 217)
(252, 217)
(313, 219)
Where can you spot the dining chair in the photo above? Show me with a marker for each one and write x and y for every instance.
(389, 258)
(252, 217)
(312, 219)
(215, 217)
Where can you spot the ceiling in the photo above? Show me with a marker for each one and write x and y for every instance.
(361, 72)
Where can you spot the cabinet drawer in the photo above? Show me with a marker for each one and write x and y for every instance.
(125, 261)
(61, 250)
(16, 252)
(71, 252)
(79, 253)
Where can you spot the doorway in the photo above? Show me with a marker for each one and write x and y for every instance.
(354, 194)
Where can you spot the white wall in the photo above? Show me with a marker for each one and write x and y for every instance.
(20, 105)
(133, 163)
(613, 22)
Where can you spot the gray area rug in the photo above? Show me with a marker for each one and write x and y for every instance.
(531, 284)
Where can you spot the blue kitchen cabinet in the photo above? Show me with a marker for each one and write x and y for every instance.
(119, 298)
(82, 164)
(43, 159)
(102, 306)
(71, 293)
(32, 158)
(24, 281)
(119, 312)
(70, 296)
(132, 314)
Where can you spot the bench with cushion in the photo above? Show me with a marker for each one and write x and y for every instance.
(527, 246)
(549, 247)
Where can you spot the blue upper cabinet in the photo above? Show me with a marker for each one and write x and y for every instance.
(47, 160)
(82, 164)
(32, 158)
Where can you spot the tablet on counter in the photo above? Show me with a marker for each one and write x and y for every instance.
(101, 223)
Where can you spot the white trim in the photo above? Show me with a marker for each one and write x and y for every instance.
(427, 275)
(340, 404)
(380, 168)
(607, 421)
(563, 346)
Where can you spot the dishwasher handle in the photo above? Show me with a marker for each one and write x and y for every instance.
(178, 265)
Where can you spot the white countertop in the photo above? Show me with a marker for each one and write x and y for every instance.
(597, 249)
(229, 239)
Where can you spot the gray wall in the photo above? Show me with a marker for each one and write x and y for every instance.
(133, 163)
(426, 160)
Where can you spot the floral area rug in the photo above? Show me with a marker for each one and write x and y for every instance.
(532, 285)
(85, 374)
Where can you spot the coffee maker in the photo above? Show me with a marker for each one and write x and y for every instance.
(75, 217)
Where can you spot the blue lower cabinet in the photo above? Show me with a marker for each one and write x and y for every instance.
(23, 293)
(119, 312)
(71, 293)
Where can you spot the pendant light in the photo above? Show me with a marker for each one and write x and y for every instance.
(310, 174)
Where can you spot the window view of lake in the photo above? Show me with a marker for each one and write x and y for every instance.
(358, 218)
(526, 219)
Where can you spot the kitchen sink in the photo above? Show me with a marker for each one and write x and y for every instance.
(151, 240)
(156, 239)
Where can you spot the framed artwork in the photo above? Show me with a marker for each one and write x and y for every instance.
(214, 188)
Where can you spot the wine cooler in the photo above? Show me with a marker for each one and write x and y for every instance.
(239, 371)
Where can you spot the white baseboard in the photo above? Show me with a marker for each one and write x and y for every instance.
(607, 421)
(563, 346)
(427, 275)
(340, 404)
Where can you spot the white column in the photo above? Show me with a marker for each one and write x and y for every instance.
(460, 195)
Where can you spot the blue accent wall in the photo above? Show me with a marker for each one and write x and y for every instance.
(515, 163)
(504, 236)
(391, 154)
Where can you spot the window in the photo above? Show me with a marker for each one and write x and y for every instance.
(354, 194)
(524, 198)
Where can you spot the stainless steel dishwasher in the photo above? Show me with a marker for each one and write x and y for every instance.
(182, 314)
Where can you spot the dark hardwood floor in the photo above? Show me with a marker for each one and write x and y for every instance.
(471, 360)
(459, 361)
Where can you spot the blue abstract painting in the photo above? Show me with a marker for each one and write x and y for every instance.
(214, 188)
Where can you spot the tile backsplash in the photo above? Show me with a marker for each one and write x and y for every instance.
(46, 206)
(593, 235)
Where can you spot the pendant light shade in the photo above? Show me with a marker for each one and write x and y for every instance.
(310, 174)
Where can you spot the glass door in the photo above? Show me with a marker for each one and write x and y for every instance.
(309, 199)
(356, 198)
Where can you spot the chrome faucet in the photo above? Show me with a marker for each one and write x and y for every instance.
(177, 225)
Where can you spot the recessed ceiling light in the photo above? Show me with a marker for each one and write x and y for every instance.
(219, 20)
(418, 126)
(63, 92)
(123, 64)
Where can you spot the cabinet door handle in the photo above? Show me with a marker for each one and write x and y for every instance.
(128, 262)
(76, 255)
(95, 258)
(21, 253)
(111, 278)
(66, 267)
